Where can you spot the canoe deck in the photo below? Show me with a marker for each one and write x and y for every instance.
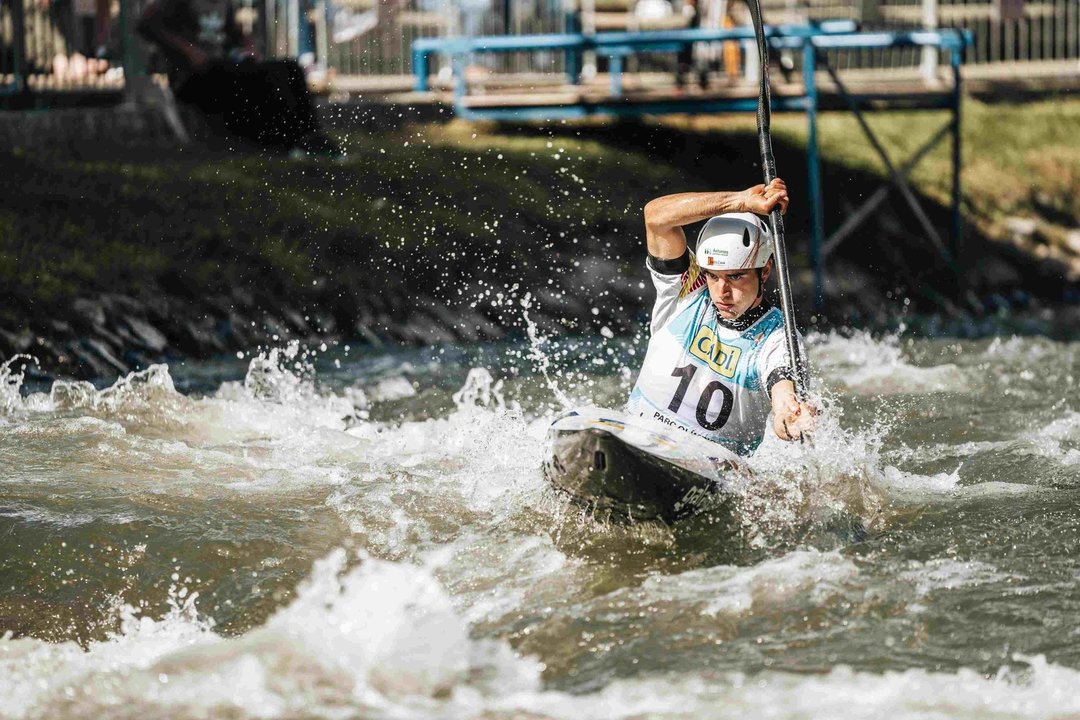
(613, 466)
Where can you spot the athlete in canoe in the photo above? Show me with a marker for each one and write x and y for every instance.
(717, 361)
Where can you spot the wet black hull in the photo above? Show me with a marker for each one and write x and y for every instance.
(612, 477)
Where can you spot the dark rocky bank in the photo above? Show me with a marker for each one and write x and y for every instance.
(215, 296)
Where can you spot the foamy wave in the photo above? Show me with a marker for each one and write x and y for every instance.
(1059, 440)
(907, 487)
(476, 465)
(948, 574)
(832, 476)
(807, 575)
(864, 365)
(379, 639)
(1045, 690)
(912, 486)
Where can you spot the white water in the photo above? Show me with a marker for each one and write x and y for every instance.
(451, 582)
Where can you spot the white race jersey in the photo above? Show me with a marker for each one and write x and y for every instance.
(704, 378)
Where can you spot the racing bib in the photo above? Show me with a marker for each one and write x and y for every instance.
(706, 379)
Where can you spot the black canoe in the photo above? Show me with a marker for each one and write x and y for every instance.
(624, 469)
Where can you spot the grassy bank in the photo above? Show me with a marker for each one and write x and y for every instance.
(220, 250)
(1019, 162)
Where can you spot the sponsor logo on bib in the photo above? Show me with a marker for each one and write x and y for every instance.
(718, 356)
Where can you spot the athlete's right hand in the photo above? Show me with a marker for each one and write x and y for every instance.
(761, 199)
(794, 420)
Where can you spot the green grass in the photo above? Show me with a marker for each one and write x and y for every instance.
(1018, 160)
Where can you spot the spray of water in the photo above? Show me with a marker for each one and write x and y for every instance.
(538, 356)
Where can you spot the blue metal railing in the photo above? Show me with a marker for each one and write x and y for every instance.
(611, 44)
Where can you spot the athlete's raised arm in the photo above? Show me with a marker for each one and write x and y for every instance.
(665, 216)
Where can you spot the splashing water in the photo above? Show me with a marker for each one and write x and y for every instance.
(267, 551)
(11, 382)
(537, 354)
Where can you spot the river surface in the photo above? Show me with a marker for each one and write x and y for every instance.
(338, 533)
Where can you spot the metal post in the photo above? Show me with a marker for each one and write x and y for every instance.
(869, 12)
(957, 218)
(269, 22)
(897, 177)
(458, 60)
(573, 55)
(420, 68)
(322, 35)
(813, 169)
(292, 15)
(751, 70)
(18, 45)
(305, 48)
(132, 59)
(928, 67)
(588, 28)
(615, 64)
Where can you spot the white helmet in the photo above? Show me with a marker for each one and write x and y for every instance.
(734, 241)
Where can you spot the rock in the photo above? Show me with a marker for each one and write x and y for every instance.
(118, 303)
(325, 323)
(995, 273)
(102, 351)
(564, 303)
(436, 329)
(60, 328)
(1072, 241)
(273, 326)
(236, 331)
(136, 359)
(85, 363)
(128, 340)
(160, 310)
(365, 333)
(485, 327)
(455, 323)
(219, 304)
(407, 332)
(18, 342)
(243, 297)
(148, 336)
(1021, 228)
(203, 339)
(296, 320)
(114, 342)
(1021, 299)
(92, 311)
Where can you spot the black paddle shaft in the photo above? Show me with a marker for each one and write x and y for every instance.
(776, 220)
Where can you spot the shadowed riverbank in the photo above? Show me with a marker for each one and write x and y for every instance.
(120, 255)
